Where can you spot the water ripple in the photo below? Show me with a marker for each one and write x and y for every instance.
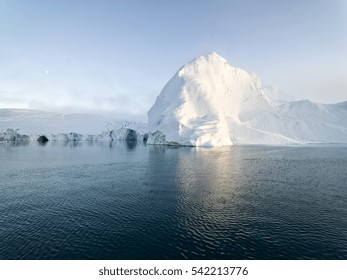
(226, 203)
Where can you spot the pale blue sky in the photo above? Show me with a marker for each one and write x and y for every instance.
(116, 56)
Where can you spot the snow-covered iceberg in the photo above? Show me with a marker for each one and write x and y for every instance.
(210, 103)
(32, 125)
(12, 135)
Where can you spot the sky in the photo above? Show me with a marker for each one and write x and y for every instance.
(113, 57)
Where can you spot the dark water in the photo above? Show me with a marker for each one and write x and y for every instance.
(115, 201)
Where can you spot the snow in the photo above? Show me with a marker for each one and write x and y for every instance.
(23, 124)
(206, 103)
(210, 103)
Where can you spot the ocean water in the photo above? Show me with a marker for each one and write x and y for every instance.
(128, 201)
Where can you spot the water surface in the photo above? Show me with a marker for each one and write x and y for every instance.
(121, 201)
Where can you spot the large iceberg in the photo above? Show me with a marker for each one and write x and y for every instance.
(211, 103)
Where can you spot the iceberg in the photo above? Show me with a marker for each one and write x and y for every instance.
(12, 135)
(211, 103)
(39, 125)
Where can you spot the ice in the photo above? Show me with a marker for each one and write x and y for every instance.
(25, 125)
(211, 103)
(206, 103)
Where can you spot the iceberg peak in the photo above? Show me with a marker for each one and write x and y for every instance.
(211, 59)
(214, 56)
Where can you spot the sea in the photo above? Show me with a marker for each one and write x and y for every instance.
(132, 201)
